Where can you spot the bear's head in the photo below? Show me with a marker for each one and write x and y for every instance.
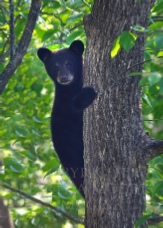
(63, 66)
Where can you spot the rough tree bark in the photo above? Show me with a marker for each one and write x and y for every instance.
(116, 147)
(5, 219)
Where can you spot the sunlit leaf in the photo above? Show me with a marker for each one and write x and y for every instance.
(116, 47)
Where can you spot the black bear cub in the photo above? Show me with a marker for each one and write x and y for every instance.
(65, 68)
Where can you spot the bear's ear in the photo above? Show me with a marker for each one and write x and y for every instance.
(43, 53)
(77, 46)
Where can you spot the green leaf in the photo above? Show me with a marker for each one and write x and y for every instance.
(37, 119)
(73, 36)
(53, 170)
(56, 5)
(158, 41)
(156, 25)
(127, 40)
(139, 28)
(21, 131)
(146, 98)
(14, 165)
(63, 193)
(3, 132)
(116, 47)
(63, 2)
(74, 17)
(158, 7)
(161, 86)
(29, 155)
(35, 221)
(136, 74)
(65, 15)
(143, 81)
(154, 78)
(142, 220)
(50, 165)
(48, 34)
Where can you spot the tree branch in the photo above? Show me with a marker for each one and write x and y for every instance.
(54, 209)
(154, 220)
(22, 46)
(154, 148)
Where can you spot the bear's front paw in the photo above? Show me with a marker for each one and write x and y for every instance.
(90, 93)
(85, 98)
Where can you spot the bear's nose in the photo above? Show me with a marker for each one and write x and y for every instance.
(64, 79)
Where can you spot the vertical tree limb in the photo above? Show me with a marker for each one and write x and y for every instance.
(22, 46)
(12, 33)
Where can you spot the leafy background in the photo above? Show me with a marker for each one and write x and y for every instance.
(27, 159)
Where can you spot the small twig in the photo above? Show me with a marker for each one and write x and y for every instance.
(139, 63)
(142, 62)
(154, 49)
(76, 26)
(52, 14)
(87, 4)
(153, 120)
(54, 209)
(157, 18)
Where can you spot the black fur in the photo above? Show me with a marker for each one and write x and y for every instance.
(65, 68)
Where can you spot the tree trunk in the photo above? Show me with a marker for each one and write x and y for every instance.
(116, 147)
(5, 219)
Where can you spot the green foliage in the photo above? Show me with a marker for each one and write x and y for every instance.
(152, 84)
(125, 40)
(27, 159)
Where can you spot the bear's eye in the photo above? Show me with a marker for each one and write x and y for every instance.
(68, 65)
